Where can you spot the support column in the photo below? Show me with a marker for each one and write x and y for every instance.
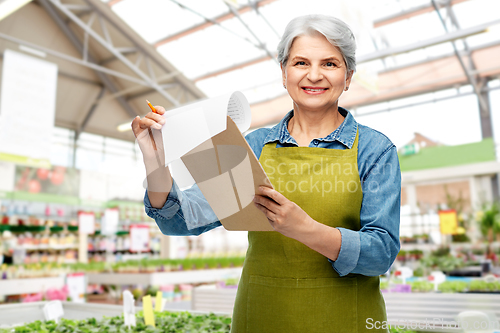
(165, 251)
(411, 199)
(485, 110)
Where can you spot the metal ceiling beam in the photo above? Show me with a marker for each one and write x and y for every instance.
(254, 5)
(262, 46)
(433, 100)
(78, 45)
(448, 37)
(471, 78)
(443, 56)
(209, 22)
(406, 14)
(73, 77)
(96, 68)
(145, 49)
(89, 114)
(379, 54)
(109, 47)
(483, 97)
(149, 91)
(213, 22)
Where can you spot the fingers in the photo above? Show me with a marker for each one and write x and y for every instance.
(156, 117)
(159, 109)
(269, 214)
(271, 193)
(149, 123)
(136, 124)
(267, 203)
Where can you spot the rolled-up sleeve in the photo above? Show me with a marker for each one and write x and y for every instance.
(372, 250)
(184, 213)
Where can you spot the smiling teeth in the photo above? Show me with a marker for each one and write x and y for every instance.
(309, 89)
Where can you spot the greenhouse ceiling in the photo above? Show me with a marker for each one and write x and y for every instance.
(112, 55)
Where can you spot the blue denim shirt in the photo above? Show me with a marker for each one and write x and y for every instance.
(369, 251)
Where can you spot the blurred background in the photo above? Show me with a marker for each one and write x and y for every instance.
(74, 73)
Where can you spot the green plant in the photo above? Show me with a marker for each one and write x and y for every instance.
(166, 322)
(421, 286)
(442, 262)
(489, 223)
(458, 203)
(452, 286)
(481, 285)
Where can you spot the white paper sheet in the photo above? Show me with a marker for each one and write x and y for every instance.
(189, 126)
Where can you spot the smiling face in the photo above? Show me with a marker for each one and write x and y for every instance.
(315, 74)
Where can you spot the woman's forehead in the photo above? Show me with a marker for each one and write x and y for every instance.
(313, 45)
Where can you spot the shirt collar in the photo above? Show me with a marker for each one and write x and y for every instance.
(345, 133)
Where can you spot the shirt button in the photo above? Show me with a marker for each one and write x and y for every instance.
(315, 142)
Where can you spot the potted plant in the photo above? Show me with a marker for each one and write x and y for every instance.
(489, 223)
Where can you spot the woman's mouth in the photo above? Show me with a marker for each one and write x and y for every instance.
(314, 90)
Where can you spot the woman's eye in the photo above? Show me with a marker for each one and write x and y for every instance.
(330, 64)
(300, 63)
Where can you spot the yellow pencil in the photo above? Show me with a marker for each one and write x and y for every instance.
(151, 107)
(151, 134)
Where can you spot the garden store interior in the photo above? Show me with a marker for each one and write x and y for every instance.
(75, 73)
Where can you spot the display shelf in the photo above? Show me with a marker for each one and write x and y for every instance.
(29, 286)
(47, 247)
(20, 313)
(162, 278)
(212, 299)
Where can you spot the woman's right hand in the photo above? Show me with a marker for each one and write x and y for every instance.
(153, 123)
(148, 134)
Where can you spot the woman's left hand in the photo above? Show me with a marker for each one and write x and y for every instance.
(285, 216)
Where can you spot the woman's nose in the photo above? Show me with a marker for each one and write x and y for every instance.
(314, 74)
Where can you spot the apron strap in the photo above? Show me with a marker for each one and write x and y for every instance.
(354, 145)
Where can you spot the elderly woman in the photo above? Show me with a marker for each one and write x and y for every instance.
(334, 206)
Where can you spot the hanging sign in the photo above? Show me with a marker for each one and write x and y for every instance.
(448, 222)
(27, 108)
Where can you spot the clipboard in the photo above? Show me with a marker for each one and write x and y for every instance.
(228, 174)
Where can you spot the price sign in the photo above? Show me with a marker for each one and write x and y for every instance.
(86, 223)
(76, 287)
(139, 238)
(109, 224)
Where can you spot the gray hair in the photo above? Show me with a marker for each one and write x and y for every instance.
(336, 32)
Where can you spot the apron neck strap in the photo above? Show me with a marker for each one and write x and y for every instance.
(354, 145)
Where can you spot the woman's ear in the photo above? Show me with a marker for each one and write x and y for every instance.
(283, 75)
(348, 79)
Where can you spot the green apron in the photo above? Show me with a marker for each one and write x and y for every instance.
(288, 287)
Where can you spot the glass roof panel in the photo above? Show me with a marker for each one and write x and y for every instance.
(487, 10)
(214, 49)
(207, 51)
(210, 9)
(164, 18)
(264, 77)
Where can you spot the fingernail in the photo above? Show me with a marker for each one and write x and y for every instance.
(162, 121)
(157, 126)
